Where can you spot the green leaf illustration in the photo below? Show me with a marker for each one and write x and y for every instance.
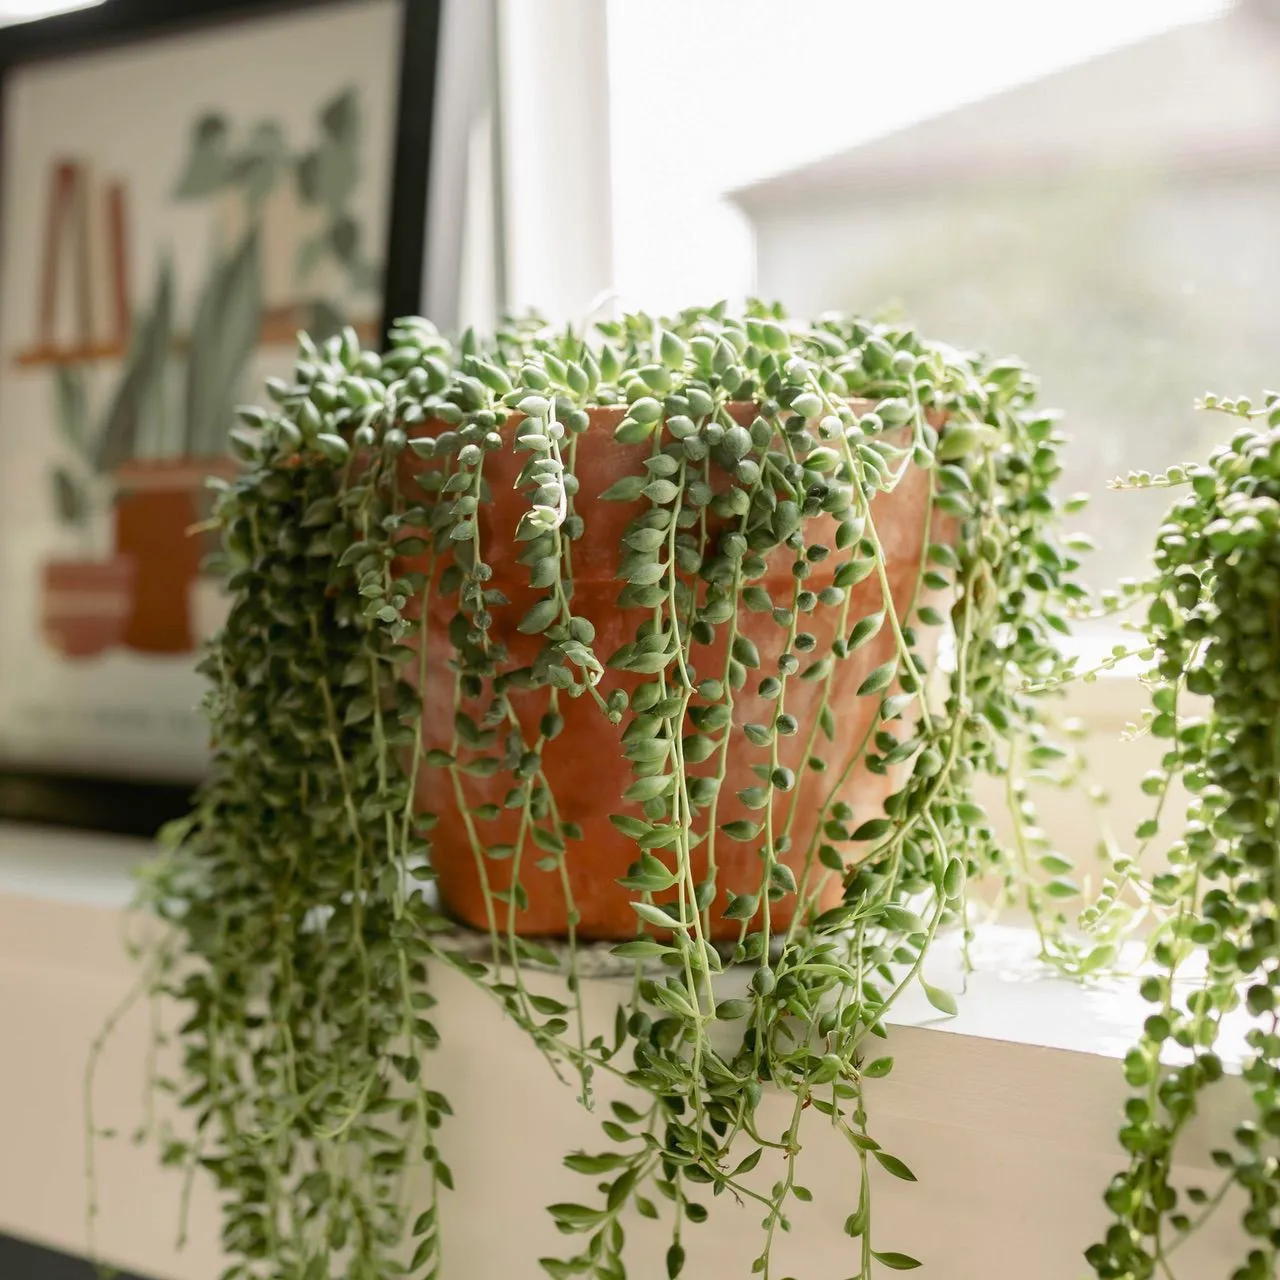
(340, 116)
(223, 337)
(208, 166)
(144, 367)
(258, 166)
(72, 408)
(69, 498)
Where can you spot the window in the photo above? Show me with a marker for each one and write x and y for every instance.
(1094, 187)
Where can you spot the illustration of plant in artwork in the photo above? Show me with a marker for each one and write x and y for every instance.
(175, 395)
(287, 252)
(302, 198)
(94, 445)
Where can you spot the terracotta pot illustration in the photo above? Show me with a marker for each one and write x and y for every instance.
(157, 504)
(85, 604)
(585, 765)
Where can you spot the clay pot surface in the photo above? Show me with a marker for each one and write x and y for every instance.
(85, 604)
(585, 765)
(157, 503)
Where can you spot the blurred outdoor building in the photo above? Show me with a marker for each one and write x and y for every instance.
(1094, 187)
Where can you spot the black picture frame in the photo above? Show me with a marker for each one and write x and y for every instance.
(23, 1260)
(139, 806)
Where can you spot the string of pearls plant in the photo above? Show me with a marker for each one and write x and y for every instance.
(1213, 628)
(302, 930)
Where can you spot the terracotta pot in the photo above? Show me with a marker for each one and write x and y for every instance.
(157, 503)
(85, 604)
(585, 765)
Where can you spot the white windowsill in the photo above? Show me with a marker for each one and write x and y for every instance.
(1009, 996)
(1007, 1112)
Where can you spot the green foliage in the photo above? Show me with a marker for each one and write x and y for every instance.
(302, 939)
(97, 444)
(208, 165)
(324, 175)
(71, 486)
(141, 380)
(224, 335)
(327, 176)
(1213, 625)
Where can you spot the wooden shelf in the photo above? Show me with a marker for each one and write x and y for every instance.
(79, 354)
(279, 329)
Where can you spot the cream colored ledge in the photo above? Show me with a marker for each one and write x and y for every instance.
(1006, 1113)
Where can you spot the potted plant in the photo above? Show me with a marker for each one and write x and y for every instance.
(630, 638)
(1211, 633)
(85, 604)
(286, 231)
(85, 601)
(160, 461)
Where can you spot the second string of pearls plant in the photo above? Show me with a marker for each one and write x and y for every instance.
(1212, 632)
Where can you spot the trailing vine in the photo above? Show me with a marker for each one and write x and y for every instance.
(1213, 628)
(368, 697)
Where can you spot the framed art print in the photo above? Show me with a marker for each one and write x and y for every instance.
(177, 201)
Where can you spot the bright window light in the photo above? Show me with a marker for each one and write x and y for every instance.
(12, 11)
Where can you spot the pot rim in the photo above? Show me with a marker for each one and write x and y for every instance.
(109, 569)
(742, 412)
(163, 474)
